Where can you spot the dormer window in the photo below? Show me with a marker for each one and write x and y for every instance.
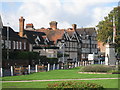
(37, 39)
(47, 40)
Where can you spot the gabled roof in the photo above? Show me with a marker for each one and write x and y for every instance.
(12, 33)
(34, 36)
(58, 34)
(70, 32)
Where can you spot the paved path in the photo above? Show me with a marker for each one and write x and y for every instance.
(60, 80)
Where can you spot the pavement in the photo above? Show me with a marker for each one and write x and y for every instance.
(60, 80)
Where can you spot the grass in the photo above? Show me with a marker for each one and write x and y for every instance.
(104, 83)
(58, 74)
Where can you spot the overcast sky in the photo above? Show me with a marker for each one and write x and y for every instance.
(84, 13)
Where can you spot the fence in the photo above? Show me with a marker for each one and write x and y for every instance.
(23, 70)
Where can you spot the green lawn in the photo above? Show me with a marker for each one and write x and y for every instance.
(58, 74)
(105, 83)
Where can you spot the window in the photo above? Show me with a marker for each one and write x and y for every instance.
(83, 55)
(6, 44)
(2, 41)
(55, 56)
(92, 45)
(13, 44)
(9, 44)
(2, 44)
(17, 44)
(83, 45)
(95, 45)
(49, 55)
(20, 45)
(24, 45)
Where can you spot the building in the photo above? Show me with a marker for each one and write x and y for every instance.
(39, 42)
(74, 43)
(14, 42)
(89, 42)
(78, 42)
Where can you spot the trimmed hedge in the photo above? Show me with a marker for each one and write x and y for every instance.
(75, 84)
(96, 68)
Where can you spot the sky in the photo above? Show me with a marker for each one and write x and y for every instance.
(84, 13)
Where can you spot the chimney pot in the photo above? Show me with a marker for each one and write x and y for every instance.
(53, 25)
(74, 26)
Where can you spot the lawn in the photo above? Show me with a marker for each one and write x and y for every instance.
(58, 74)
(104, 83)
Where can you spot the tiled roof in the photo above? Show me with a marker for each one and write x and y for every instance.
(87, 31)
(70, 32)
(53, 35)
(32, 35)
(57, 34)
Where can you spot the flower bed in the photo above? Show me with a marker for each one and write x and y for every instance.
(75, 84)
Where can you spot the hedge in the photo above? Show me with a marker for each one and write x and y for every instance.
(96, 68)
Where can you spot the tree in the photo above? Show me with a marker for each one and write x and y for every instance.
(105, 28)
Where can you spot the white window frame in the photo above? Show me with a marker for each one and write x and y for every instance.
(17, 45)
(20, 47)
(6, 44)
(13, 44)
(24, 45)
(9, 45)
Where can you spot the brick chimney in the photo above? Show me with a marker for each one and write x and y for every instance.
(21, 26)
(29, 25)
(53, 25)
(74, 26)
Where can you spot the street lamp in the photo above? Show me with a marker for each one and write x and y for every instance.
(7, 41)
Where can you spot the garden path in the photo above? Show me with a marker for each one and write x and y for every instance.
(60, 80)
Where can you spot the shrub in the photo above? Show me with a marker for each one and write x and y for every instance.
(114, 71)
(75, 84)
(96, 68)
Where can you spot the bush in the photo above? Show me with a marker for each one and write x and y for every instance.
(114, 71)
(75, 84)
(96, 68)
(45, 60)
